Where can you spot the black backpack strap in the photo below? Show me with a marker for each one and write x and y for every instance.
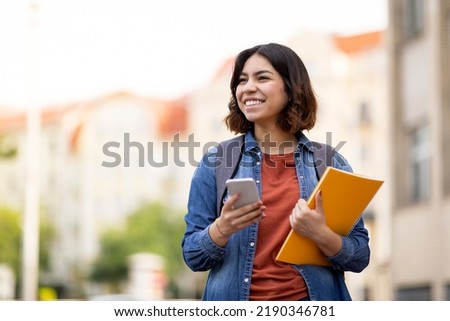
(229, 154)
(323, 157)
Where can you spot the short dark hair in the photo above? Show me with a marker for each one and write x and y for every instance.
(300, 112)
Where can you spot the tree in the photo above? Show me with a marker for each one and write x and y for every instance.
(7, 147)
(111, 266)
(11, 225)
(11, 240)
(154, 228)
(10, 234)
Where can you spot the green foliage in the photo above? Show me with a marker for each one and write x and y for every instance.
(152, 228)
(111, 265)
(11, 239)
(46, 237)
(10, 234)
(7, 148)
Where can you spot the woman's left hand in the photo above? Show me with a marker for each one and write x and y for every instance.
(306, 221)
(311, 223)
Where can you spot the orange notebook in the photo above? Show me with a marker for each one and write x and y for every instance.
(345, 196)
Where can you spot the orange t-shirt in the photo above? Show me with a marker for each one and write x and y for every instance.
(271, 279)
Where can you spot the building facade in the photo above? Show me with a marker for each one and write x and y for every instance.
(419, 91)
(99, 161)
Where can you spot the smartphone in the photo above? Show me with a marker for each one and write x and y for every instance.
(244, 186)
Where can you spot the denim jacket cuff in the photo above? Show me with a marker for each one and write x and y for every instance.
(345, 254)
(212, 249)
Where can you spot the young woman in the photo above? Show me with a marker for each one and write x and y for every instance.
(272, 103)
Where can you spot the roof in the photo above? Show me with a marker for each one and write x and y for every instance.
(360, 42)
(16, 119)
(171, 114)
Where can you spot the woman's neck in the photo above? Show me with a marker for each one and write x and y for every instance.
(275, 141)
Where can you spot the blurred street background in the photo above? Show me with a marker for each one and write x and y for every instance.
(107, 106)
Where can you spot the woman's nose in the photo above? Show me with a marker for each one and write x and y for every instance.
(250, 87)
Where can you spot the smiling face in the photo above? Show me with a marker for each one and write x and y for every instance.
(260, 93)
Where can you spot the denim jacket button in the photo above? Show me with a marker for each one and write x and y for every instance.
(212, 149)
(252, 244)
(246, 280)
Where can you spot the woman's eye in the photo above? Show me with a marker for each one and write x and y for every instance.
(241, 80)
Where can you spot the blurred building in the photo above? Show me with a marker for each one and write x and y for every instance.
(349, 75)
(100, 160)
(384, 101)
(419, 90)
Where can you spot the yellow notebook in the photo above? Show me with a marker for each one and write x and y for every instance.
(345, 196)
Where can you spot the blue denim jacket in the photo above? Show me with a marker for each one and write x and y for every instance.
(231, 266)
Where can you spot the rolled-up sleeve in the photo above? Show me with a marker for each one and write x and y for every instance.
(200, 253)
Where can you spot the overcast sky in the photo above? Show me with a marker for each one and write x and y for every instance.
(162, 48)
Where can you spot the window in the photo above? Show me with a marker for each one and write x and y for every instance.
(364, 114)
(413, 18)
(369, 215)
(367, 294)
(419, 164)
(422, 293)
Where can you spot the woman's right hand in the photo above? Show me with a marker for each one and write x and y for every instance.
(232, 220)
